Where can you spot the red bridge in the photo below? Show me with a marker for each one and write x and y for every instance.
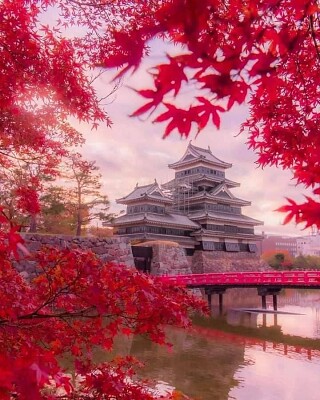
(267, 283)
(281, 279)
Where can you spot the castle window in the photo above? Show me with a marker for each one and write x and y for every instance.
(208, 246)
(244, 247)
(219, 246)
(252, 247)
(232, 247)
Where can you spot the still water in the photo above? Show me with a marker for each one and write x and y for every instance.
(243, 355)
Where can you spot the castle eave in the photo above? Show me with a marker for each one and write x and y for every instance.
(144, 198)
(170, 220)
(223, 217)
(218, 234)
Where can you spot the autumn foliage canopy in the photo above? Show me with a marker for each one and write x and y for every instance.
(261, 52)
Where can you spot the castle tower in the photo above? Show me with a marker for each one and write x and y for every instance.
(148, 217)
(196, 209)
(201, 191)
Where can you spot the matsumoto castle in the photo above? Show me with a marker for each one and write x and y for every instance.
(196, 209)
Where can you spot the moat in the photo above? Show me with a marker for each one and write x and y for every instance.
(242, 354)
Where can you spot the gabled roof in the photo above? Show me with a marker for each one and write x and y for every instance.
(220, 193)
(212, 178)
(169, 219)
(147, 192)
(194, 154)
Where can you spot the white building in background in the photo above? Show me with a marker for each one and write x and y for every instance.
(309, 245)
(276, 242)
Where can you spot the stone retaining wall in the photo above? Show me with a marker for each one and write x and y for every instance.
(168, 259)
(218, 261)
(108, 249)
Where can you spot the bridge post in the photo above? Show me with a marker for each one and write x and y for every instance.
(209, 301)
(275, 302)
(220, 290)
(265, 291)
(264, 301)
(220, 303)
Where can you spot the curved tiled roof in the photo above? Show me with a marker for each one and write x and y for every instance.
(152, 192)
(162, 219)
(194, 153)
(221, 216)
(228, 198)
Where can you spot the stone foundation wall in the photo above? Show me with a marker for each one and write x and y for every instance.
(218, 261)
(169, 259)
(108, 249)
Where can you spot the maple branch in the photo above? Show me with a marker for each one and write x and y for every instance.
(114, 89)
(313, 35)
(92, 4)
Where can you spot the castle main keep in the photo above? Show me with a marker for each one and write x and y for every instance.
(196, 209)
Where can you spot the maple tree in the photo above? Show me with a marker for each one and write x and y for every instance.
(74, 305)
(264, 52)
(20, 185)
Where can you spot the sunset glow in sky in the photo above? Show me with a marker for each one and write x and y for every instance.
(133, 151)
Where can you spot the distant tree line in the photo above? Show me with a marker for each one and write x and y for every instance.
(282, 260)
(67, 203)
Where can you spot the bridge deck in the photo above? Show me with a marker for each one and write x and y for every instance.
(279, 279)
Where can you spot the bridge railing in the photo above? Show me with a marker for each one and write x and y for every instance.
(294, 278)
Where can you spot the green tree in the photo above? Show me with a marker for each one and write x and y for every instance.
(84, 199)
(306, 262)
(17, 193)
(54, 216)
(300, 262)
(278, 259)
(313, 262)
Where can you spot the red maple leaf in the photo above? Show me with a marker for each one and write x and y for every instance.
(180, 119)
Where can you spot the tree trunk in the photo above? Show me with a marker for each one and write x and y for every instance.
(79, 223)
(33, 223)
(79, 218)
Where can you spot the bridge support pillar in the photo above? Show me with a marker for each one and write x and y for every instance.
(209, 300)
(275, 302)
(264, 301)
(210, 290)
(264, 291)
(220, 303)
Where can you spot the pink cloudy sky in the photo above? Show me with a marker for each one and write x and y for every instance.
(133, 151)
